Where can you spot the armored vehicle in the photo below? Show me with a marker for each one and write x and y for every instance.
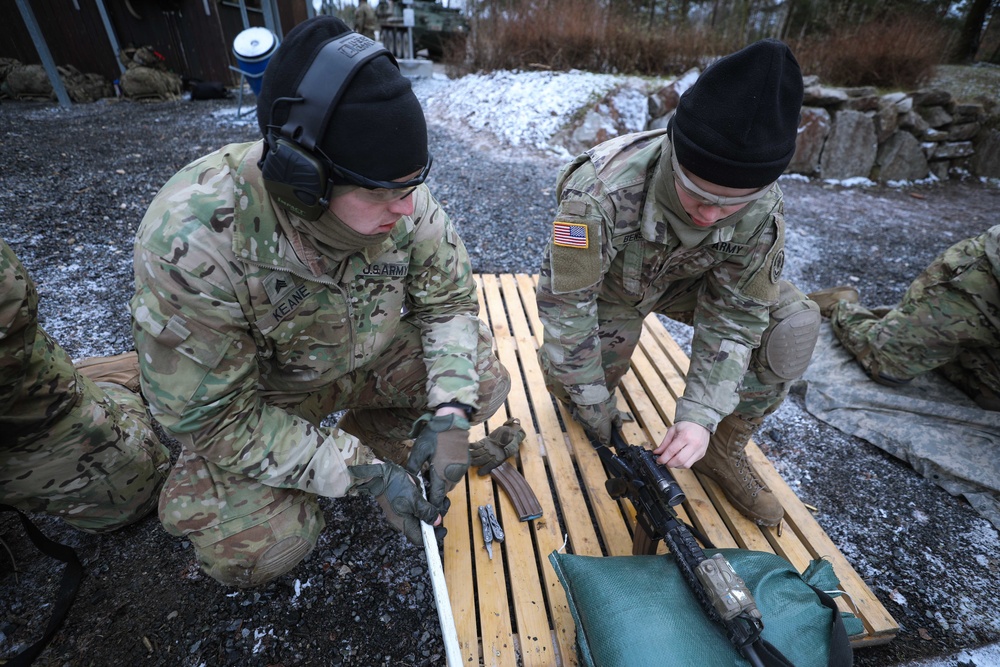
(434, 26)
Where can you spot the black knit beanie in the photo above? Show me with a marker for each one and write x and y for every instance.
(378, 128)
(736, 125)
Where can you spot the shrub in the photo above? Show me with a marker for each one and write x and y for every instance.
(900, 52)
(579, 34)
(894, 53)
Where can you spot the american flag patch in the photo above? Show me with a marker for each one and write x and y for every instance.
(570, 235)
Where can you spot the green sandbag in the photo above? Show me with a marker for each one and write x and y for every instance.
(639, 611)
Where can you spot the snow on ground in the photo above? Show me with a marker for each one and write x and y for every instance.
(528, 109)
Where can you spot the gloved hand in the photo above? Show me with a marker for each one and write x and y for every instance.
(399, 496)
(443, 443)
(500, 445)
(598, 420)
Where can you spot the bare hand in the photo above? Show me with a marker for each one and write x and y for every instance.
(684, 444)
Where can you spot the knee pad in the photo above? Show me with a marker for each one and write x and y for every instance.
(278, 559)
(788, 342)
(240, 555)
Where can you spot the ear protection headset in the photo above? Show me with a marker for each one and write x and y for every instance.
(296, 173)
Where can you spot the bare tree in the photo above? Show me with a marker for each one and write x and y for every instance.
(972, 30)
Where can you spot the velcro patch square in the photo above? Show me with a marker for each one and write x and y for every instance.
(570, 235)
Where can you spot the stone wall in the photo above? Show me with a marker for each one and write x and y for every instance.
(850, 133)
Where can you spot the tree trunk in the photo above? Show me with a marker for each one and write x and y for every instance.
(972, 29)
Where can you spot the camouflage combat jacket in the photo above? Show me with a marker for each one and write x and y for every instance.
(615, 241)
(230, 324)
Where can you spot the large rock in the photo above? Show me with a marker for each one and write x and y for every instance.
(850, 149)
(886, 119)
(623, 110)
(814, 127)
(901, 158)
(664, 101)
(821, 96)
(986, 161)
(936, 116)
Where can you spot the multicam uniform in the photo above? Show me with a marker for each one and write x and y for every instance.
(247, 343)
(68, 447)
(948, 319)
(622, 248)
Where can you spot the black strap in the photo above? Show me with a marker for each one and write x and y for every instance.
(841, 654)
(72, 576)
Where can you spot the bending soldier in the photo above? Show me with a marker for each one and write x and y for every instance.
(75, 442)
(281, 281)
(949, 319)
(686, 222)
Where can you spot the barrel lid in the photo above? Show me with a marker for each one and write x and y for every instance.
(253, 42)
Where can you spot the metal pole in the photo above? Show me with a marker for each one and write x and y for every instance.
(449, 632)
(43, 53)
(243, 13)
(272, 21)
(111, 34)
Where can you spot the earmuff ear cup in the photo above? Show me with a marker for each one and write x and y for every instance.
(295, 179)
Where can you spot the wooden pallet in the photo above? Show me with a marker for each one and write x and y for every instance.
(512, 610)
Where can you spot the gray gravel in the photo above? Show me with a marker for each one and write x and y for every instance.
(73, 187)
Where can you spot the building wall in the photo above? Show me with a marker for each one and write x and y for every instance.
(194, 36)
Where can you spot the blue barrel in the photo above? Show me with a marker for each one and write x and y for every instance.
(253, 48)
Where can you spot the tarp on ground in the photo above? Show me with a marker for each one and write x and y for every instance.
(928, 423)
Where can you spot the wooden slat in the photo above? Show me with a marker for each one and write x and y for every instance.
(512, 610)
(525, 582)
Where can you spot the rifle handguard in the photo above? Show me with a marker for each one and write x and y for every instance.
(727, 591)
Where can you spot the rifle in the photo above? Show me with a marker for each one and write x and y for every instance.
(721, 592)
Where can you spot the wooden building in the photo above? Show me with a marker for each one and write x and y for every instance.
(195, 37)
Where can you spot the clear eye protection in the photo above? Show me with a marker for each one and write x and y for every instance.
(704, 198)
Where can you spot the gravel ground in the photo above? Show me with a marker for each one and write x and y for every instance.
(73, 188)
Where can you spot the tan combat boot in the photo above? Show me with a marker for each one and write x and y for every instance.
(827, 298)
(121, 369)
(385, 449)
(726, 463)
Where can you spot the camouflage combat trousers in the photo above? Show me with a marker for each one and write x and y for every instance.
(250, 518)
(949, 319)
(95, 462)
(619, 327)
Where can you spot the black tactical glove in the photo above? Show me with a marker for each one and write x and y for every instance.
(443, 443)
(500, 445)
(598, 420)
(399, 496)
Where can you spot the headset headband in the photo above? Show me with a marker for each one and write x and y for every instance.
(330, 73)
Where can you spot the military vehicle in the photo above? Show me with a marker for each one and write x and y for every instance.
(434, 26)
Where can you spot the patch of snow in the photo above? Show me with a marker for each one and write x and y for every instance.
(529, 108)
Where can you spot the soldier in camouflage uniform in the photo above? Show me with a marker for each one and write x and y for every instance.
(365, 20)
(260, 310)
(72, 445)
(686, 222)
(949, 319)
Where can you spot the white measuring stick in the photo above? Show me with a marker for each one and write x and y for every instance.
(445, 615)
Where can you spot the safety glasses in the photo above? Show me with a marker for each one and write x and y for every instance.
(398, 186)
(707, 198)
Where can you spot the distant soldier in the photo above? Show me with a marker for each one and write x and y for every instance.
(949, 319)
(365, 20)
(687, 222)
(283, 280)
(74, 442)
